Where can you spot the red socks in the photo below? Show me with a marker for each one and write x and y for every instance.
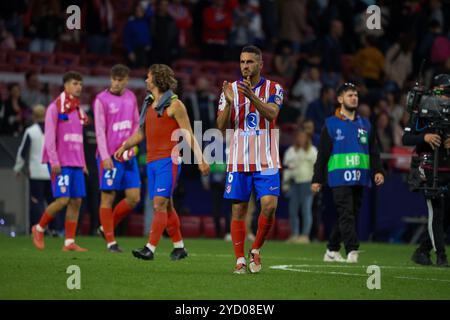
(264, 226)
(158, 225)
(173, 226)
(45, 220)
(106, 219)
(238, 237)
(121, 210)
(71, 229)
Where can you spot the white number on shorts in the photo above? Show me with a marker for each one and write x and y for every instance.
(63, 180)
(108, 173)
(354, 175)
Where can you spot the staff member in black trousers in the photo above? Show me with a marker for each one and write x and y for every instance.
(347, 160)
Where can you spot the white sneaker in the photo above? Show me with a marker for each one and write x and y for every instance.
(352, 257)
(240, 269)
(333, 256)
(227, 237)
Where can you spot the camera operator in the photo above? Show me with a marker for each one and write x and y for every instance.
(427, 136)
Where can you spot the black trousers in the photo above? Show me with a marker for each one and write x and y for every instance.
(440, 218)
(348, 202)
(440, 223)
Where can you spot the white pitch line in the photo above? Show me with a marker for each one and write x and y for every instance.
(425, 279)
(286, 268)
(290, 268)
(345, 265)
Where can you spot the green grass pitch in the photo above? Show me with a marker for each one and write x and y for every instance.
(290, 271)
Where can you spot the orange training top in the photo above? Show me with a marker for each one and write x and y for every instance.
(158, 132)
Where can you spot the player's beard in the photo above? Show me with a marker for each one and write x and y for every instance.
(246, 74)
(349, 109)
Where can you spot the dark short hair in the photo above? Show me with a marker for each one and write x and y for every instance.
(348, 86)
(163, 77)
(120, 71)
(72, 75)
(252, 49)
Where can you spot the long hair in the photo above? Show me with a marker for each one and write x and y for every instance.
(308, 138)
(163, 77)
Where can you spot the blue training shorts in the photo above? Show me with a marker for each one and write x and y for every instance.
(162, 176)
(239, 185)
(124, 175)
(69, 184)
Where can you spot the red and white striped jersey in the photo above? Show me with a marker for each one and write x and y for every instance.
(254, 143)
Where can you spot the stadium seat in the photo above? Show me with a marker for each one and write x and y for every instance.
(209, 228)
(401, 158)
(6, 67)
(135, 225)
(90, 60)
(67, 59)
(55, 90)
(184, 77)
(210, 67)
(18, 57)
(3, 90)
(3, 56)
(111, 60)
(87, 97)
(283, 229)
(191, 226)
(27, 67)
(185, 65)
(69, 46)
(83, 70)
(139, 73)
(140, 95)
(228, 76)
(101, 71)
(23, 44)
(42, 58)
(212, 78)
(231, 67)
(53, 69)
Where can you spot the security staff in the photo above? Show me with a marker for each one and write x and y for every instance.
(426, 141)
(348, 158)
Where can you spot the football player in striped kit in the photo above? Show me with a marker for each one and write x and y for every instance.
(248, 108)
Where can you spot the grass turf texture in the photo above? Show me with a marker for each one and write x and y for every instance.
(26, 273)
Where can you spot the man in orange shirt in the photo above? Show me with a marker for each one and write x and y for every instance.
(162, 114)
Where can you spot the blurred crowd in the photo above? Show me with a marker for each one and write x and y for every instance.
(312, 45)
(309, 46)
